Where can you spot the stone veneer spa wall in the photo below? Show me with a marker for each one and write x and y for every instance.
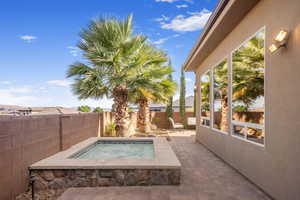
(64, 170)
(50, 184)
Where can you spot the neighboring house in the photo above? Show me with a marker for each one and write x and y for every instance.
(189, 104)
(14, 110)
(24, 111)
(158, 107)
(10, 107)
(251, 48)
(52, 110)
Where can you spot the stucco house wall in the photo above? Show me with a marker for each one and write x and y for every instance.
(275, 167)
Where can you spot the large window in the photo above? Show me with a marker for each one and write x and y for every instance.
(205, 99)
(248, 69)
(220, 97)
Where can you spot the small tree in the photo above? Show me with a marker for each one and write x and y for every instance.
(182, 97)
(195, 101)
(169, 108)
(84, 109)
(98, 109)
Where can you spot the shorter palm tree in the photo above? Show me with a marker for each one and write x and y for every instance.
(154, 90)
(152, 84)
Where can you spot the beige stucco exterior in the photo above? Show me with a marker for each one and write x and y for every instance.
(275, 167)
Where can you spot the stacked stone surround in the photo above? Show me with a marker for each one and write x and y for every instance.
(49, 184)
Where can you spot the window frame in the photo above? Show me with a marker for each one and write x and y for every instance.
(202, 117)
(247, 124)
(212, 95)
(229, 58)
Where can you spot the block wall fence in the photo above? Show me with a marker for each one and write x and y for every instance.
(26, 140)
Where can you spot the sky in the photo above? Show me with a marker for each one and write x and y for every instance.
(38, 42)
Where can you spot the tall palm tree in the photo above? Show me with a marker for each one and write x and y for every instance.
(113, 53)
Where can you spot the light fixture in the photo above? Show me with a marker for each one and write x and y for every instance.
(281, 36)
(273, 48)
(280, 41)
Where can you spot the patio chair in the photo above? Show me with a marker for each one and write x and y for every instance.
(175, 125)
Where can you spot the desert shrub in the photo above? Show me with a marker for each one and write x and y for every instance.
(110, 129)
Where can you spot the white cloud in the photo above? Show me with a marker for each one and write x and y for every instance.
(196, 21)
(162, 18)
(188, 79)
(6, 82)
(41, 95)
(182, 6)
(17, 96)
(18, 90)
(11, 99)
(28, 38)
(62, 83)
(74, 51)
(162, 40)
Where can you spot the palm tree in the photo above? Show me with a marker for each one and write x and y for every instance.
(248, 71)
(220, 84)
(113, 53)
(152, 85)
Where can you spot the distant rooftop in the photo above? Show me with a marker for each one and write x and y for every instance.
(15, 110)
(189, 102)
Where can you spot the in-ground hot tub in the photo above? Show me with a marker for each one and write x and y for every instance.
(108, 162)
(106, 149)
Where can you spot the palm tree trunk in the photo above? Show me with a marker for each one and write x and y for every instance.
(120, 95)
(144, 116)
(224, 113)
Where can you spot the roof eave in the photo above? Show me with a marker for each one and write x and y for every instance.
(212, 19)
(227, 15)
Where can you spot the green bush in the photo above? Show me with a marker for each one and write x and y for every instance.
(240, 108)
(98, 109)
(110, 129)
(84, 109)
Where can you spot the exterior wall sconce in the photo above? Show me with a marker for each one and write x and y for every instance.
(280, 41)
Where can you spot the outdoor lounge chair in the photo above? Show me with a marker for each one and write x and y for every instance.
(175, 125)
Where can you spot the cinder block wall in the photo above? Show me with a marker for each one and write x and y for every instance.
(76, 128)
(26, 140)
(160, 119)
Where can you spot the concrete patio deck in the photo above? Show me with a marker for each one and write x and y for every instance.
(204, 177)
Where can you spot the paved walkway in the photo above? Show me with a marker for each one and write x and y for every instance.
(204, 177)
